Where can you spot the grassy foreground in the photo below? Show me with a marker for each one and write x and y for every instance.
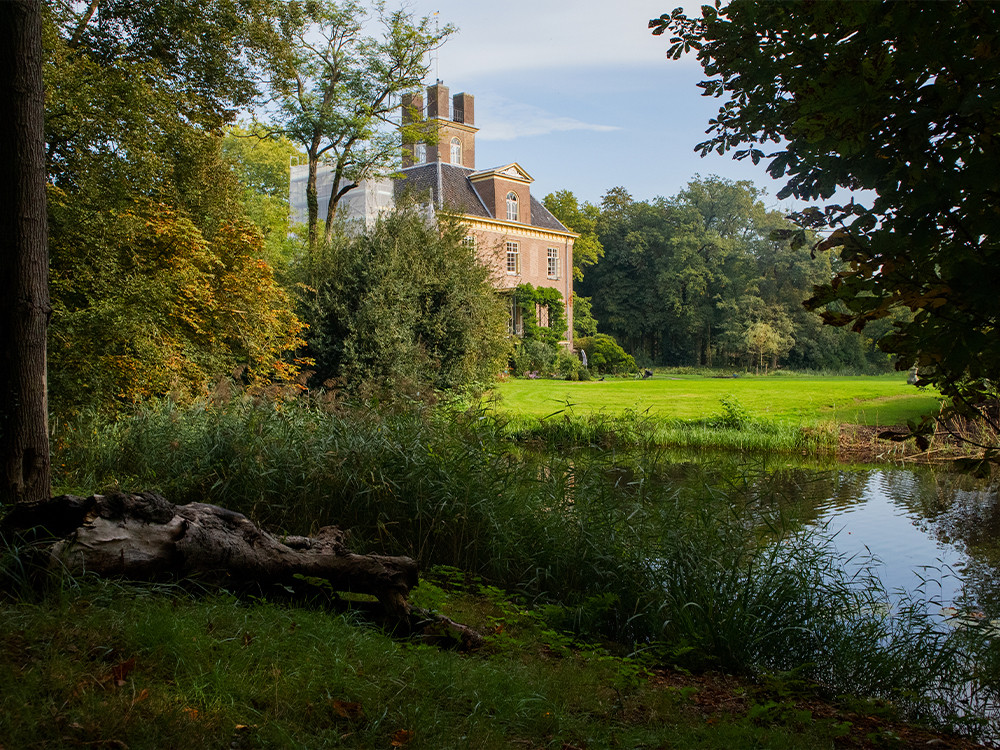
(776, 413)
(104, 665)
(595, 542)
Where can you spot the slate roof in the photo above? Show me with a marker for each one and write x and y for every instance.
(448, 185)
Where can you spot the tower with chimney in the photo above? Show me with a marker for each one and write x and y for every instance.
(512, 232)
(450, 121)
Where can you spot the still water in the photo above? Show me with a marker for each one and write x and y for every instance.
(930, 530)
(927, 531)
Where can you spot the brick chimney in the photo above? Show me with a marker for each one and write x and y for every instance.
(437, 101)
(413, 112)
(413, 107)
(453, 119)
(463, 107)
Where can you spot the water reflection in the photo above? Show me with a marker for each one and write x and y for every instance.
(933, 531)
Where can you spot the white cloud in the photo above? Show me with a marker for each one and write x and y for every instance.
(524, 35)
(500, 119)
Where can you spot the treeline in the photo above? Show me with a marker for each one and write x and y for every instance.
(173, 263)
(698, 280)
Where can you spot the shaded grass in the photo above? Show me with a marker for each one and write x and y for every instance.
(113, 666)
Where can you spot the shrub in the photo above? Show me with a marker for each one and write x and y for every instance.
(567, 365)
(605, 356)
(734, 416)
(534, 356)
(404, 303)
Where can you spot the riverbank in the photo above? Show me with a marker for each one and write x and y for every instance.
(597, 543)
(834, 417)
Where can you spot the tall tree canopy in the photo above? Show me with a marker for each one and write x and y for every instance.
(158, 280)
(339, 89)
(899, 100)
(697, 279)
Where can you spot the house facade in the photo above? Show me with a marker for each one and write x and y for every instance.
(511, 231)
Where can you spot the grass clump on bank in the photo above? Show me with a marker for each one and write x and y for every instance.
(733, 428)
(602, 548)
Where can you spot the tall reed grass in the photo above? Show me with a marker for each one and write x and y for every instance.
(698, 578)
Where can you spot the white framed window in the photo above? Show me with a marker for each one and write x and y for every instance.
(420, 153)
(456, 151)
(469, 241)
(513, 259)
(511, 206)
(553, 263)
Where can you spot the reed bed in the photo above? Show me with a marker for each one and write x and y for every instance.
(602, 547)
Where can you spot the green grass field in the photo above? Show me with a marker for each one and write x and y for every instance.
(791, 400)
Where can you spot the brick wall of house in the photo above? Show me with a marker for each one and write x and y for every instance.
(533, 255)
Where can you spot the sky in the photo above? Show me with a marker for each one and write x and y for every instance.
(582, 95)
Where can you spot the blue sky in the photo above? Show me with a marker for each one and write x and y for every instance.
(581, 95)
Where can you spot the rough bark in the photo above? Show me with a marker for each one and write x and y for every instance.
(146, 538)
(24, 297)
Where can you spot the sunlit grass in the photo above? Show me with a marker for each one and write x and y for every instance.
(795, 401)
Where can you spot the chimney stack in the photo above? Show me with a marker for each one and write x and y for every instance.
(464, 108)
(437, 101)
(413, 107)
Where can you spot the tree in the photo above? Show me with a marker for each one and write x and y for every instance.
(24, 298)
(895, 100)
(261, 165)
(404, 307)
(338, 90)
(158, 283)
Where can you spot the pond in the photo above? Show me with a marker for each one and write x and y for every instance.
(927, 531)
(932, 531)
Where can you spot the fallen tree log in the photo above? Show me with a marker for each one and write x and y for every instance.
(143, 537)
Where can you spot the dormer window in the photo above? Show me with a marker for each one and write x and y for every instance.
(456, 151)
(512, 206)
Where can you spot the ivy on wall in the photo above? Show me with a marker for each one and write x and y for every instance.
(530, 300)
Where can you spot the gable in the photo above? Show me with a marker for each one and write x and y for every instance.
(512, 171)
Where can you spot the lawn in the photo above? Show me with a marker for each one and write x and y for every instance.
(790, 400)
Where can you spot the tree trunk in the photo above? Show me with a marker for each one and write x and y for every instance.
(312, 205)
(336, 193)
(24, 296)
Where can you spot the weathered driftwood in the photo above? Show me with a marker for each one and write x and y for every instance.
(144, 537)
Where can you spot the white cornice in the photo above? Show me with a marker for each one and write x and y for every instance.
(513, 228)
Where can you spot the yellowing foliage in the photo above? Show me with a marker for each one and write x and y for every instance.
(145, 304)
